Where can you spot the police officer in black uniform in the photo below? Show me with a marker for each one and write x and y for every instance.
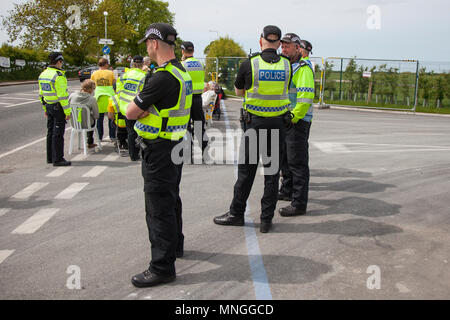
(270, 42)
(161, 175)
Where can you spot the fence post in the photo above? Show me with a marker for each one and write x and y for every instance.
(416, 89)
(340, 81)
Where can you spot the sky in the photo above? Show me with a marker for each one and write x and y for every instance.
(378, 29)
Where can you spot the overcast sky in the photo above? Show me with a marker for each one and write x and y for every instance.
(409, 29)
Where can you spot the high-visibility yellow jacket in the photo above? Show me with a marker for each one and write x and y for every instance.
(53, 88)
(301, 92)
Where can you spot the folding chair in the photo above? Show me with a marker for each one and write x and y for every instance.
(76, 121)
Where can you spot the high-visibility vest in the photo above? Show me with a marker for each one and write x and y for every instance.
(129, 86)
(301, 92)
(151, 127)
(268, 96)
(53, 88)
(119, 118)
(197, 72)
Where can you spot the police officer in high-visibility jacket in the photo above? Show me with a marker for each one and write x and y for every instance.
(162, 111)
(295, 184)
(128, 87)
(264, 80)
(119, 119)
(54, 97)
(197, 72)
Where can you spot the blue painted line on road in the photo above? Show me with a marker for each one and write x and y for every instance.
(259, 275)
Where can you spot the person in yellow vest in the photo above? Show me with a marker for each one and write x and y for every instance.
(295, 184)
(115, 115)
(130, 84)
(104, 80)
(197, 72)
(162, 111)
(54, 98)
(264, 81)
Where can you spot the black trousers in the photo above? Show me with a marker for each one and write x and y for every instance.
(132, 135)
(295, 170)
(56, 127)
(247, 167)
(197, 114)
(163, 205)
(90, 135)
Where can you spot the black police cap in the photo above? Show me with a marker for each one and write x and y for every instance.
(160, 31)
(55, 56)
(187, 45)
(268, 30)
(291, 37)
(305, 44)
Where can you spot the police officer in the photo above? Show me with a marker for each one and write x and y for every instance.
(197, 72)
(264, 80)
(128, 87)
(162, 111)
(54, 97)
(295, 184)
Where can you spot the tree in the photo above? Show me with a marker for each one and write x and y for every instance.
(140, 14)
(48, 24)
(349, 74)
(224, 47)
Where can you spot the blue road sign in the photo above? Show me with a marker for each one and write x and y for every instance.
(106, 50)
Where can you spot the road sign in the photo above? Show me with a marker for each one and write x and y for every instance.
(106, 41)
(106, 50)
(367, 74)
(20, 63)
(5, 62)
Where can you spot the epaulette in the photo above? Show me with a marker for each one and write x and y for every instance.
(59, 73)
(254, 55)
(302, 63)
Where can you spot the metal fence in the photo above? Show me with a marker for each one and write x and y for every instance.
(371, 83)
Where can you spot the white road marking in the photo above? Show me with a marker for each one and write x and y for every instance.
(80, 157)
(4, 211)
(25, 146)
(30, 190)
(36, 221)
(331, 147)
(58, 172)
(111, 157)
(19, 104)
(71, 191)
(5, 254)
(95, 172)
(4, 103)
(16, 98)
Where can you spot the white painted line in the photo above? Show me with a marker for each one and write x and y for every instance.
(71, 191)
(331, 147)
(111, 157)
(4, 211)
(16, 98)
(25, 146)
(5, 254)
(58, 172)
(36, 221)
(4, 103)
(95, 172)
(30, 190)
(20, 104)
(79, 157)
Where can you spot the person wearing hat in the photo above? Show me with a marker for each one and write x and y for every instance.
(197, 72)
(104, 81)
(295, 171)
(128, 87)
(162, 112)
(264, 81)
(55, 102)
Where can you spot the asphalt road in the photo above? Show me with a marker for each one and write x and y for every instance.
(378, 225)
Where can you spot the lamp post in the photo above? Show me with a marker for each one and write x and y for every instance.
(105, 13)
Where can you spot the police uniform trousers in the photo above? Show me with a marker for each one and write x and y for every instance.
(248, 167)
(295, 170)
(197, 114)
(132, 135)
(162, 204)
(56, 127)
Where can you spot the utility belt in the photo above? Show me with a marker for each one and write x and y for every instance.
(143, 143)
(246, 117)
(54, 106)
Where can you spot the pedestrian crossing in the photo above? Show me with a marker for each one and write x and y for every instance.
(37, 220)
